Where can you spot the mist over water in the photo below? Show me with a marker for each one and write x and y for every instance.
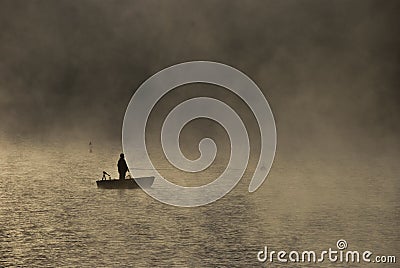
(329, 70)
(71, 68)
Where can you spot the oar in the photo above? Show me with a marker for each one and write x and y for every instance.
(104, 175)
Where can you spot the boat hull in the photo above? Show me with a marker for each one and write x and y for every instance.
(146, 182)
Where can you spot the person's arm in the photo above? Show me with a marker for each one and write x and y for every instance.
(127, 168)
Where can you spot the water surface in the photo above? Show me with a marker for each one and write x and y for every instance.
(53, 215)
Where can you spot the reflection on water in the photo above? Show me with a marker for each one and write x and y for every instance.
(52, 214)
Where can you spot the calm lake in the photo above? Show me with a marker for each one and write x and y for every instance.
(53, 215)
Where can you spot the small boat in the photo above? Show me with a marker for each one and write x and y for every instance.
(128, 183)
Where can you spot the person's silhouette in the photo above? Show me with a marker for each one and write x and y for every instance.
(122, 167)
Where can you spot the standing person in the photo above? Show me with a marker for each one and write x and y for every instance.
(122, 167)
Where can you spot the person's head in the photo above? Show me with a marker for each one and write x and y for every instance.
(121, 155)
